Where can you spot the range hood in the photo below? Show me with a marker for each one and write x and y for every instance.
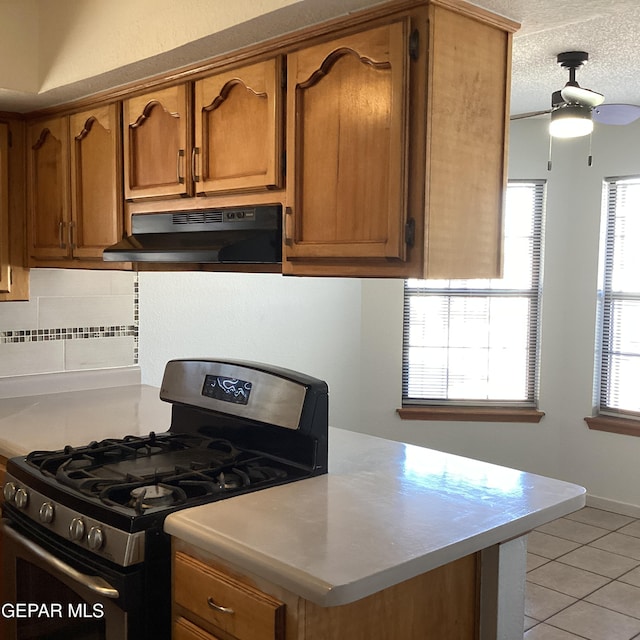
(229, 235)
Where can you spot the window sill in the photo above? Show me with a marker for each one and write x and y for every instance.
(625, 426)
(471, 414)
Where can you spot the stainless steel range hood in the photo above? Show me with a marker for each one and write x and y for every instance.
(229, 235)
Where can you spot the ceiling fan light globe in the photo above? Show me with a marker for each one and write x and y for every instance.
(572, 121)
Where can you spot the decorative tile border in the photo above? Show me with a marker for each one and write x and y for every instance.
(40, 335)
(80, 333)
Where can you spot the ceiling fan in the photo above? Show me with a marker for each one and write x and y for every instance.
(574, 109)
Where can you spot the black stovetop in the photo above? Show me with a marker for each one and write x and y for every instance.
(138, 478)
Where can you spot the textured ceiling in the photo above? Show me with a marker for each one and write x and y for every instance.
(609, 30)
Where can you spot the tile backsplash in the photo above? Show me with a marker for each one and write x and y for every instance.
(75, 320)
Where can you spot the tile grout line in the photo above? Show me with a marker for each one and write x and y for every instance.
(609, 579)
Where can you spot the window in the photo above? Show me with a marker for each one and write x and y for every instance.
(474, 343)
(618, 361)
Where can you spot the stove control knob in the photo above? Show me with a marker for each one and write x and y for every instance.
(9, 491)
(95, 538)
(76, 529)
(21, 498)
(46, 513)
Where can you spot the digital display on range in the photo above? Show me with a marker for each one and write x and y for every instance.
(227, 389)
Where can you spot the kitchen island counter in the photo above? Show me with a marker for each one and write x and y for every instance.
(384, 513)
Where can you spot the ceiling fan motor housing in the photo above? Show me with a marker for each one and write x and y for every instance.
(572, 59)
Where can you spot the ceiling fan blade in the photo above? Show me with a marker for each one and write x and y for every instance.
(616, 113)
(578, 95)
(530, 114)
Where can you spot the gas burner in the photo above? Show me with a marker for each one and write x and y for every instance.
(234, 479)
(155, 495)
(224, 447)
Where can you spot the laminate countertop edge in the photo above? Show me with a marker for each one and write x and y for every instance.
(385, 512)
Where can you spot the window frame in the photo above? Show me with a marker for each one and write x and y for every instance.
(605, 417)
(488, 410)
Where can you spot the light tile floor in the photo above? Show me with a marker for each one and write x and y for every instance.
(583, 578)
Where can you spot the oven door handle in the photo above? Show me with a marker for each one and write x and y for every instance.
(93, 583)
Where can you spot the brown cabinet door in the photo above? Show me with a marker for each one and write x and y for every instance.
(347, 120)
(95, 181)
(225, 603)
(48, 192)
(238, 131)
(5, 284)
(183, 629)
(157, 144)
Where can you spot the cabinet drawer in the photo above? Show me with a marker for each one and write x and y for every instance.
(226, 603)
(185, 630)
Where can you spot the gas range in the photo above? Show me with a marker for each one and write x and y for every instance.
(236, 427)
(99, 509)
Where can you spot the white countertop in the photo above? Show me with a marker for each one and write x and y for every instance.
(385, 512)
(51, 421)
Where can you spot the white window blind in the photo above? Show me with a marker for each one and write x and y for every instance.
(620, 299)
(475, 342)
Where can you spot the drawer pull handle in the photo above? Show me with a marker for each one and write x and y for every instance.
(219, 608)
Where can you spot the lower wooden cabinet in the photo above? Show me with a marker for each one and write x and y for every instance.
(222, 602)
(185, 630)
(437, 605)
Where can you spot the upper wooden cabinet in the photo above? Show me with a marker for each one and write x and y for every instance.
(467, 123)
(5, 259)
(14, 273)
(74, 176)
(238, 131)
(96, 193)
(347, 141)
(157, 144)
(397, 140)
(395, 147)
(238, 135)
(48, 172)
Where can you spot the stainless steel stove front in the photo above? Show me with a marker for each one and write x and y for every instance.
(46, 597)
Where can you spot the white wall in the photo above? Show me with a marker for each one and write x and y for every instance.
(111, 31)
(19, 49)
(306, 324)
(561, 445)
(56, 51)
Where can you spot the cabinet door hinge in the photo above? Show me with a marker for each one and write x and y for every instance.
(414, 44)
(410, 232)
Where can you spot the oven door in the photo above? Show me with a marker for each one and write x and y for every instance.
(47, 597)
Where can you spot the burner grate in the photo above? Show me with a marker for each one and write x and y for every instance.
(159, 471)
